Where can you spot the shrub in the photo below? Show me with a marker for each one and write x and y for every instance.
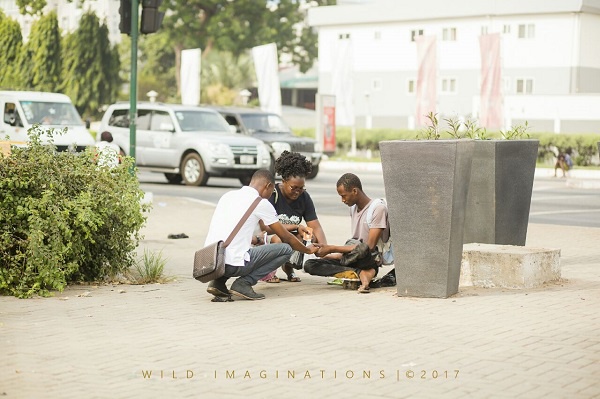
(64, 218)
(584, 145)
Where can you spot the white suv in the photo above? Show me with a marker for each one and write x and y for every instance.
(186, 143)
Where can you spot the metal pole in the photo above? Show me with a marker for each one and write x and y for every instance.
(133, 80)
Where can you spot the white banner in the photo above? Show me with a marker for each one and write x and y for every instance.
(267, 74)
(190, 76)
(491, 113)
(342, 84)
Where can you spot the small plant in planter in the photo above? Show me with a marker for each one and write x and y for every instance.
(518, 132)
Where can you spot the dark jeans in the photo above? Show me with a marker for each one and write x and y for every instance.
(263, 260)
(330, 267)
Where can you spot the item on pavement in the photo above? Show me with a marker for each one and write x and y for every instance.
(177, 236)
(388, 280)
(351, 283)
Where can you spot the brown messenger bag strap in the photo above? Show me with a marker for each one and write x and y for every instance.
(242, 221)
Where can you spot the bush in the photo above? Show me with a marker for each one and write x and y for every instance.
(584, 145)
(64, 218)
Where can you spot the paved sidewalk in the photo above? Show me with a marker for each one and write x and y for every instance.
(306, 339)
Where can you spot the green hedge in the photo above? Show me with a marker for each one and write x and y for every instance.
(584, 145)
(63, 218)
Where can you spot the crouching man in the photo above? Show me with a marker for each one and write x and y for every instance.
(249, 264)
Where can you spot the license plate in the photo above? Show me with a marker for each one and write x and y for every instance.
(246, 159)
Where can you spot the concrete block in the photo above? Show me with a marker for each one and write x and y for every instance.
(508, 266)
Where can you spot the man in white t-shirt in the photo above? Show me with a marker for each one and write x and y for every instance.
(242, 260)
(358, 258)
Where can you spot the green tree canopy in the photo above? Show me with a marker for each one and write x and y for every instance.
(90, 65)
(11, 43)
(41, 64)
(237, 26)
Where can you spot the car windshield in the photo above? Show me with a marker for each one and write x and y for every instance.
(50, 113)
(271, 123)
(191, 121)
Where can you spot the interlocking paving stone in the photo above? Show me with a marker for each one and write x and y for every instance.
(534, 343)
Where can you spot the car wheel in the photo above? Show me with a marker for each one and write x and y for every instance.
(313, 172)
(192, 170)
(246, 180)
(174, 178)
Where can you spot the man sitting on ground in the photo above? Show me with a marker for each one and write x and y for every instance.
(359, 258)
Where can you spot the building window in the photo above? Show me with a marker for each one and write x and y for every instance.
(344, 36)
(526, 31)
(377, 35)
(414, 33)
(449, 34)
(506, 29)
(448, 85)
(524, 86)
(376, 85)
(411, 87)
(484, 30)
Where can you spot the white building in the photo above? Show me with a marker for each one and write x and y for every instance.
(550, 58)
(69, 15)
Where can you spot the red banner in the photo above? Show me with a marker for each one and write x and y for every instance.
(328, 123)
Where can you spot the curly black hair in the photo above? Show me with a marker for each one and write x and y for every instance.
(292, 164)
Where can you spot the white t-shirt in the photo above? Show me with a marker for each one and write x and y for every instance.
(108, 154)
(230, 209)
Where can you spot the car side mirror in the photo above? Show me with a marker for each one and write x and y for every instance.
(88, 123)
(167, 127)
(233, 129)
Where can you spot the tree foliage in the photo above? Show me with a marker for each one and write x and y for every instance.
(237, 26)
(41, 64)
(11, 43)
(90, 65)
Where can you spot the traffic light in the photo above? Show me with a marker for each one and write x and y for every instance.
(125, 11)
(151, 17)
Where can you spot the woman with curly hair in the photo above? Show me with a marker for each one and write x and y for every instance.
(293, 205)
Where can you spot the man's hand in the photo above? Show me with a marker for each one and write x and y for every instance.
(303, 230)
(313, 248)
(324, 249)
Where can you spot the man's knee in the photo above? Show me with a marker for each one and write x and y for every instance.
(309, 265)
(284, 249)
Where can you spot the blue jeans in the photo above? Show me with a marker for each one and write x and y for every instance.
(263, 260)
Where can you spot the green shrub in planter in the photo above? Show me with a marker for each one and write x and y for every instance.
(63, 218)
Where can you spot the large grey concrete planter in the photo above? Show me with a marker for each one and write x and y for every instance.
(426, 185)
(499, 196)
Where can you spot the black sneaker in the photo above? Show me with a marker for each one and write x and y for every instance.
(218, 288)
(244, 289)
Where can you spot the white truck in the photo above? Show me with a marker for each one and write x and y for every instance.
(23, 109)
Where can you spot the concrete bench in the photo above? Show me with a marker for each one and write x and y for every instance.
(508, 266)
